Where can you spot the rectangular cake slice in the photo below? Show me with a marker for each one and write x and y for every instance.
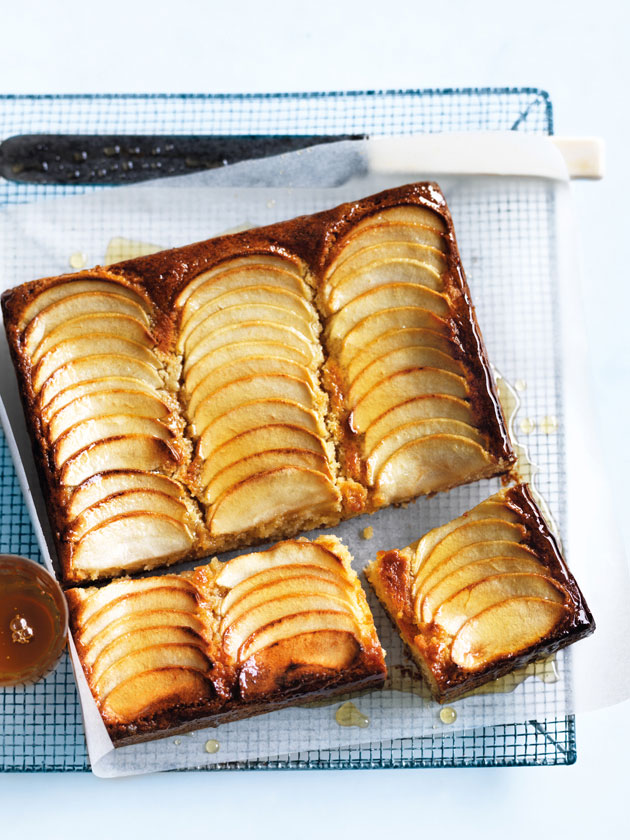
(227, 641)
(481, 595)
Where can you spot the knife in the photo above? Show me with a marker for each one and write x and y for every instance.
(130, 158)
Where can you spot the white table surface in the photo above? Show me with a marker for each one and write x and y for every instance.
(577, 51)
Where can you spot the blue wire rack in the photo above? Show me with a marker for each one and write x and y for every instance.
(40, 726)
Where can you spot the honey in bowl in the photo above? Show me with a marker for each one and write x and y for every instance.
(33, 621)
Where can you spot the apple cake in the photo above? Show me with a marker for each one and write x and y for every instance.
(481, 595)
(255, 385)
(227, 640)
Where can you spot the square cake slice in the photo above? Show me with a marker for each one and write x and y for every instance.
(482, 595)
(226, 641)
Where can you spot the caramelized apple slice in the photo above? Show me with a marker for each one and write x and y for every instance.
(127, 452)
(110, 323)
(90, 431)
(471, 574)
(265, 496)
(253, 261)
(396, 361)
(89, 345)
(292, 626)
(251, 366)
(73, 307)
(141, 694)
(102, 485)
(104, 384)
(431, 464)
(505, 629)
(402, 386)
(275, 573)
(367, 331)
(410, 432)
(387, 234)
(256, 413)
(93, 367)
(250, 389)
(130, 540)
(103, 403)
(407, 214)
(150, 659)
(413, 411)
(398, 340)
(287, 553)
(128, 501)
(258, 440)
(260, 462)
(252, 332)
(382, 274)
(72, 287)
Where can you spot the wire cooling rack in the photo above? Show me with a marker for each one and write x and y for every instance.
(40, 726)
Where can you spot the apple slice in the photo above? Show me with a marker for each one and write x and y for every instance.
(402, 386)
(247, 390)
(410, 432)
(127, 452)
(302, 587)
(289, 553)
(94, 600)
(82, 434)
(505, 629)
(429, 465)
(100, 486)
(414, 411)
(476, 552)
(384, 234)
(75, 306)
(256, 413)
(105, 385)
(471, 574)
(367, 331)
(267, 612)
(257, 440)
(131, 540)
(237, 279)
(252, 332)
(252, 261)
(89, 345)
(150, 659)
(245, 368)
(230, 353)
(303, 322)
(381, 297)
(404, 214)
(398, 340)
(129, 624)
(67, 288)
(260, 462)
(93, 367)
(155, 691)
(266, 496)
(294, 626)
(128, 501)
(110, 323)
(103, 403)
(405, 358)
(275, 573)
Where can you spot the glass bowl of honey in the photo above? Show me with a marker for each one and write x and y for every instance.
(33, 621)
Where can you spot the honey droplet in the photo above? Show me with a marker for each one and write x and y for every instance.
(520, 385)
(527, 425)
(448, 715)
(212, 746)
(549, 424)
(348, 715)
(77, 260)
(177, 742)
(367, 533)
(21, 630)
(271, 203)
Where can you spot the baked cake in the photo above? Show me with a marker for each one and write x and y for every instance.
(226, 641)
(481, 595)
(255, 385)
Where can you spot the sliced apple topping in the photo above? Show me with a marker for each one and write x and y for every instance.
(109, 323)
(130, 540)
(82, 434)
(100, 486)
(104, 385)
(140, 694)
(414, 410)
(297, 625)
(128, 501)
(504, 628)
(286, 554)
(385, 234)
(127, 452)
(402, 386)
(103, 403)
(383, 273)
(398, 339)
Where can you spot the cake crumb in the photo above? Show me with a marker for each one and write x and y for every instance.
(367, 533)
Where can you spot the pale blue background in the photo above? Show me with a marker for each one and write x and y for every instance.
(578, 51)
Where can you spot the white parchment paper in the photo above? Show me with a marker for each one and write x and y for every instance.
(517, 243)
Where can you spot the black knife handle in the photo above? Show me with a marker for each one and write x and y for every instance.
(124, 159)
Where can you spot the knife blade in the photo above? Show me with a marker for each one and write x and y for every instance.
(100, 159)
